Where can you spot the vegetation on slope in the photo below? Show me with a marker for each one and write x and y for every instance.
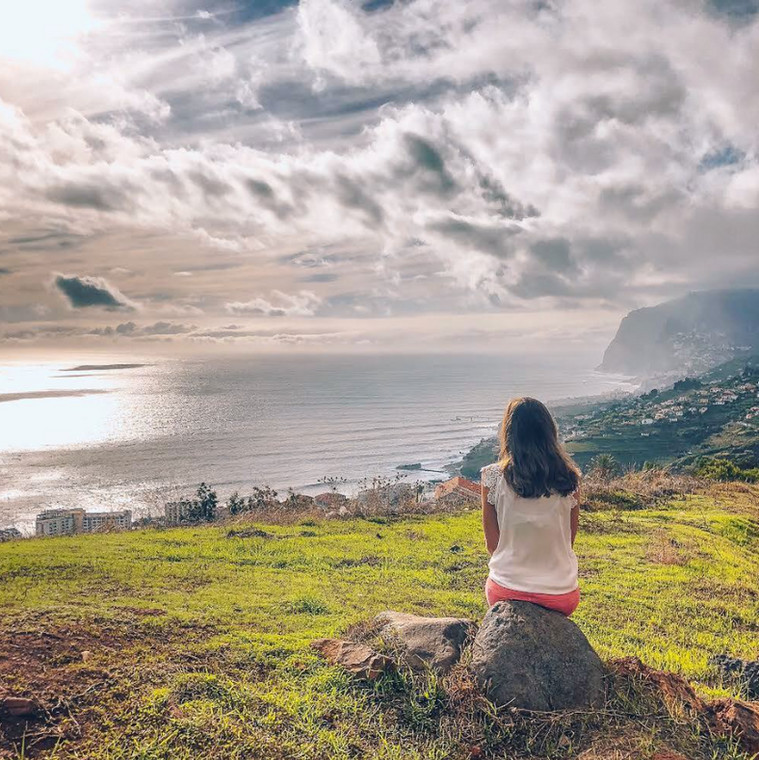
(191, 643)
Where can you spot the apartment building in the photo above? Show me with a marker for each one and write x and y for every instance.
(62, 522)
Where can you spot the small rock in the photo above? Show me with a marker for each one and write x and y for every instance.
(436, 643)
(19, 707)
(343, 511)
(739, 719)
(358, 659)
(86, 655)
(532, 658)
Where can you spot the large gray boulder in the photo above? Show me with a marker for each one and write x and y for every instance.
(532, 658)
(435, 643)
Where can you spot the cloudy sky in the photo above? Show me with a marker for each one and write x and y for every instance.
(335, 174)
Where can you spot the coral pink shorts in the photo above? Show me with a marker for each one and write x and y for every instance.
(564, 603)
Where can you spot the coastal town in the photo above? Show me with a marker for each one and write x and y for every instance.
(652, 408)
(696, 417)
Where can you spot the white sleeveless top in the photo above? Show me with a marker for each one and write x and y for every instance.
(534, 552)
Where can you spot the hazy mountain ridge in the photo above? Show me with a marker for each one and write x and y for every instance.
(686, 336)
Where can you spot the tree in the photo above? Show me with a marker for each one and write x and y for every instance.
(206, 502)
(604, 466)
(235, 504)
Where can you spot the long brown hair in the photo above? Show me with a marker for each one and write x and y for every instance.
(533, 460)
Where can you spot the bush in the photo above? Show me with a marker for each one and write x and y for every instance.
(200, 509)
(642, 489)
(262, 498)
(721, 469)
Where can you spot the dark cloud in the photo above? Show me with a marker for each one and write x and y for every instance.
(85, 292)
(132, 330)
(321, 277)
(20, 335)
(429, 165)
(45, 241)
(505, 206)
(540, 284)
(167, 328)
(555, 254)
(86, 195)
(4, 270)
(638, 202)
(216, 266)
(211, 186)
(352, 195)
(264, 193)
(492, 240)
(44, 331)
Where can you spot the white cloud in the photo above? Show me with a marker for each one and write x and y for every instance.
(333, 39)
(302, 304)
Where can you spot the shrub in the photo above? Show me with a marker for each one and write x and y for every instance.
(200, 509)
(262, 498)
(722, 469)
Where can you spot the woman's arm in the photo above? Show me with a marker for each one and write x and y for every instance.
(489, 522)
(574, 516)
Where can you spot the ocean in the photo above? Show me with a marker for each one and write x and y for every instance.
(138, 436)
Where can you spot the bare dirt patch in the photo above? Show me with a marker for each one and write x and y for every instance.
(68, 677)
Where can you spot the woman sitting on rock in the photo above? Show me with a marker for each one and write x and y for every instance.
(530, 512)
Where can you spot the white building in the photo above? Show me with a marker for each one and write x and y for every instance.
(59, 522)
(63, 522)
(95, 522)
(177, 512)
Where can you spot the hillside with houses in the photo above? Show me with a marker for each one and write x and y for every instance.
(697, 417)
(714, 415)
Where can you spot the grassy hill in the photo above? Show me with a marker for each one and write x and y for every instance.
(191, 643)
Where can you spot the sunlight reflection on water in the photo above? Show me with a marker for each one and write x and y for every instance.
(90, 409)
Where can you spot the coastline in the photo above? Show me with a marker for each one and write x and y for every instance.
(357, 420)
(485, 451)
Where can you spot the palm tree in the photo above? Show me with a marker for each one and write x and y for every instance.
(604, 466)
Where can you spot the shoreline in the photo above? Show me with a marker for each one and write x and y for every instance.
(33, 489)
(560, 408)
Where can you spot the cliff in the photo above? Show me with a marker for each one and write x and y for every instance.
(687, 335)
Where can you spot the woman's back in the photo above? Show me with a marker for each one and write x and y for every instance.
(534, 551)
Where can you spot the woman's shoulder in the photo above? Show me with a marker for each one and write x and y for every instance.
(489, 475)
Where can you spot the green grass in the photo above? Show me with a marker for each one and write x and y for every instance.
(199, 643)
